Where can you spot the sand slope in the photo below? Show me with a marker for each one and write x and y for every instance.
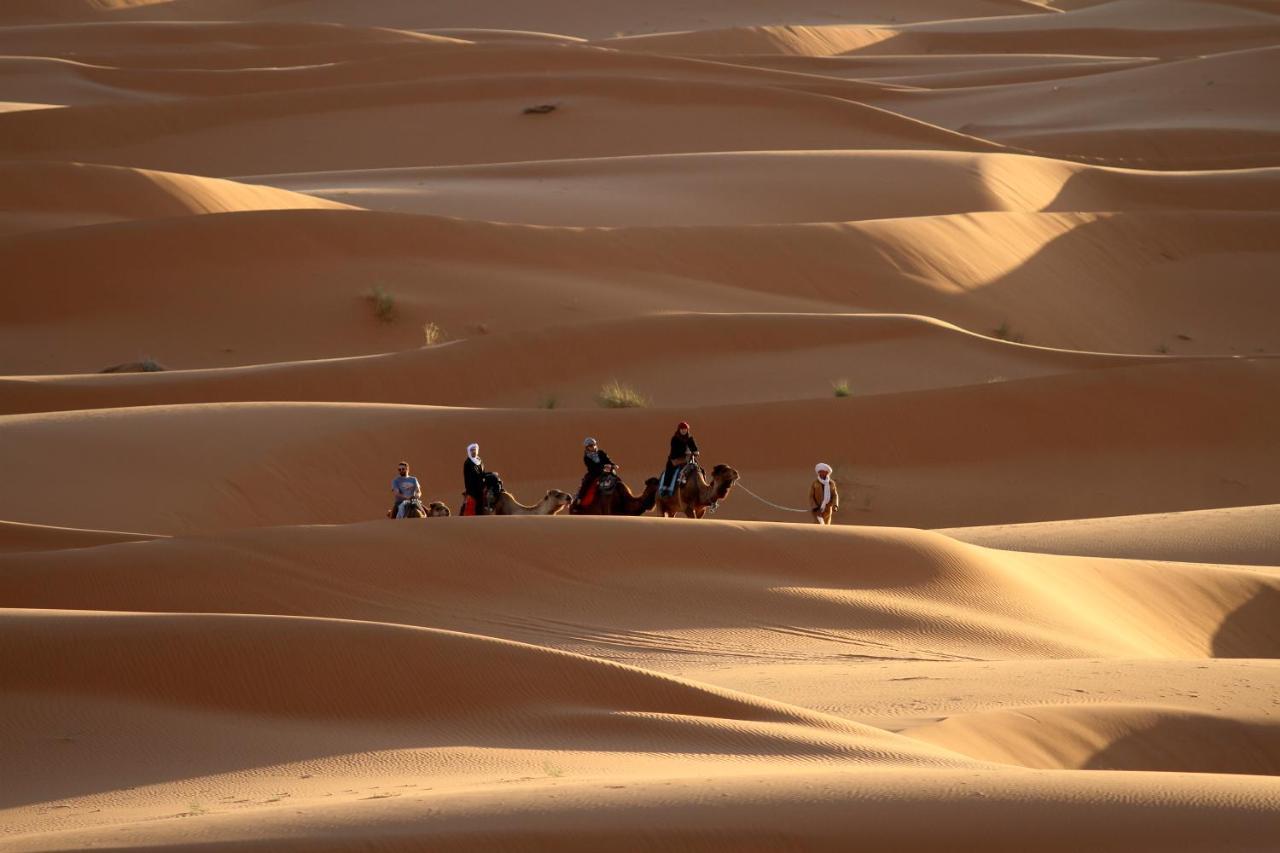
(1008, 266)
(552, 722)
(1121, 282)
(1141, 439)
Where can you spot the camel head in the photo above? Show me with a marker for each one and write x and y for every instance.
(436, 509)
(723, 476)
(557, 500)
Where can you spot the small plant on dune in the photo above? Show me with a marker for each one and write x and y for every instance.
(1005, 332)
(549, 401)
(147, 365)
(1163, 349)
(432, 335)
(841, 388)
(194, 808)
(384, 304)
(552, 770)
(615, 395)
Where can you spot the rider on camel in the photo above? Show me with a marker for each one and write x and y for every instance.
(473, 482)
(405, 488)
(595, 459)
(684, 449)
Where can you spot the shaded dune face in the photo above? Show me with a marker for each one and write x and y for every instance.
(1007, 266)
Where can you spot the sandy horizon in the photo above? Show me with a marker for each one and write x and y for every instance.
(1008, 266)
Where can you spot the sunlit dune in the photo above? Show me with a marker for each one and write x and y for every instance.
(1006, 269)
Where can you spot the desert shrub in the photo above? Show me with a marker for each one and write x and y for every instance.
(1005, 332)
(147, 365)
(549, 401)
(840, 387)
(384, 304)
(432, 335)
(616, 395)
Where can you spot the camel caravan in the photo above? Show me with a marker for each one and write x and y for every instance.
(685, 488)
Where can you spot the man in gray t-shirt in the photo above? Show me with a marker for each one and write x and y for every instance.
(405, 488)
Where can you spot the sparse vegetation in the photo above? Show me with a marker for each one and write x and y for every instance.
(384, 304)
(194, 808)
(1005, 332)
(1162, 349)
(549, 401)
(552, 770)
(432, 335)
(615, 395)
(147, 365)
(841, 388)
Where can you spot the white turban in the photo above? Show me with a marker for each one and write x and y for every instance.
(473, 451)
(820, 467)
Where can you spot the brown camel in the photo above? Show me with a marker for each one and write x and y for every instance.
(554, 501)
(613, 497)
(698, 493)
(435, 509)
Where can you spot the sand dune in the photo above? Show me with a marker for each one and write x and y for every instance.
(1202, 112)
(598, 116)
(603, 18)
(1242, 535)
(750, 358)
(1118, 28)
(40, 196)
(881, 594)
(752, 188)
(1142, 439)
(1114, 738)
(1121, 282)
(1007, 265)
(520, 707)
(23, 538)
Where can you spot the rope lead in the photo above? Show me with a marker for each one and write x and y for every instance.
(770, 503)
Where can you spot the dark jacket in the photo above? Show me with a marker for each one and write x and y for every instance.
(595, 467)
(473, 479)
(681, 446)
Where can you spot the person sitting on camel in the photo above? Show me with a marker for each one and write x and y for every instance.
(595, 458)
(405, 487)
(472, 482)
(824, 497)
(684, 449)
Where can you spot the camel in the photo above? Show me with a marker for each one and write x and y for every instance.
(435, 509)
(554, 501)
(614, 498)
(698, 494)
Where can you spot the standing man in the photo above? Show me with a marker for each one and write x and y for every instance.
(473, 482)
(824, 497)
(405, 488)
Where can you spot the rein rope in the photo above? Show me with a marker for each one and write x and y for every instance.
(770, 503)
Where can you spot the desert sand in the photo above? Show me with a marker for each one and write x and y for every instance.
(1008, 266)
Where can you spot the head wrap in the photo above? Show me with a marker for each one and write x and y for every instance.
(820, 467)
(473, 451)
(682, 425)
(588, 441)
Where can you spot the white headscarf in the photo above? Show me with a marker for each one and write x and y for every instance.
(473, 453)
(826, 484)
